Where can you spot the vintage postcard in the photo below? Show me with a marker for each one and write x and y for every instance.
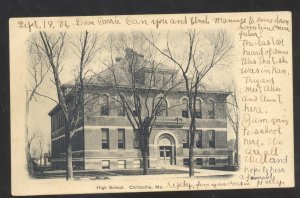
(139, 103)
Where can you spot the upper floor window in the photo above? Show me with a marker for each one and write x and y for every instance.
(185, 112)
(162, 108)
(185, 142)
(211, 139)
(198, 108)
(121, 111)
(105, 138)
(136, 105)
(105, 105)
(119, 106)
(136, 141)
(121, 138)
(157, 80)
(167, 80)
(211, 109)
(198, 138)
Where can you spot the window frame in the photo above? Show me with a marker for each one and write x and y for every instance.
(185, 141)
(198, 112)
(212, 161)
(186, 161)
(136, 165)
(212, 140)
(103, 130)
(136, 144)
(121, 144)
(124, 165)
(106, 167)
(185, 111)
(200, 139)
(211, 110)
(199, 159)
(160, 111)
(105, 110)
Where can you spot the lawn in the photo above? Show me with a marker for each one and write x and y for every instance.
(96, 174)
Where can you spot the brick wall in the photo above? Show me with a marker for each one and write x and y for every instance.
(173, 99)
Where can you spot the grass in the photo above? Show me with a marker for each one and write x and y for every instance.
(105, 174)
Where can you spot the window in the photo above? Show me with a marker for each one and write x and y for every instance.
(212, 161)
(199, 161)
(105, 164)
(167, 80)
(162, 107)
(136, 102)
(105, 105)
(121, 164)
(211, 109)
(186, 161)
(161, 153)
(157, 80)
(198, 138)
(121, 111)
(136, 140)
(185, 140)
(121, 138)
(198, 108)
(137, 163)
(119, 106)
(105, 138)
(211, 139)
(185, 112)
(139, 77)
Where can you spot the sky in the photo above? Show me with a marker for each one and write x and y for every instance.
(39, 121)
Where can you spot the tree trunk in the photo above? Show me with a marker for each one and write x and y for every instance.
(237, 148)
(145, 148)
(28, 156)
(145, 162)
(29, 162)
(69, 169)
(191, 150)
(191, 154)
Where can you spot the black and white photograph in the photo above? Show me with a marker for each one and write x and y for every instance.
(143, 103)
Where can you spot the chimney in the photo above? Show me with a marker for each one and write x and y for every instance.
(130, 53)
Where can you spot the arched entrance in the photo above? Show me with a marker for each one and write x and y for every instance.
(166, 150)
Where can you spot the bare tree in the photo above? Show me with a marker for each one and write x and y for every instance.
(29, 140)
(52, 48)
(41, 149)
(37, 74)
(232, 111)
(141, 94)
(194, 65)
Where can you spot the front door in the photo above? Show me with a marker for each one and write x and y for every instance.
(165, 155)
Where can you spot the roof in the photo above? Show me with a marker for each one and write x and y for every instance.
(132, 62)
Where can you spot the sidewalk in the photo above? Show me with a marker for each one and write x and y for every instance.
(158, 172)
(198, 173)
